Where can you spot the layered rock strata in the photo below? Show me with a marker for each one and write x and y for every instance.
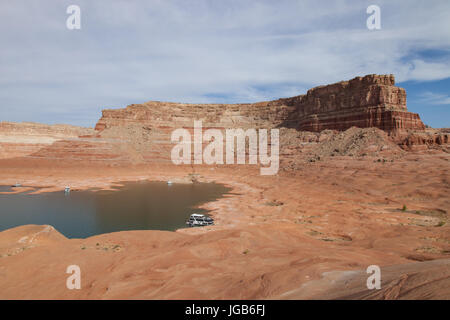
(27, 138)
(370, 101)
(142, 132)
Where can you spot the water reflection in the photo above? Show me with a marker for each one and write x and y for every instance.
(136, 206)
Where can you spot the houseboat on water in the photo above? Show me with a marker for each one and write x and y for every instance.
(199, 220)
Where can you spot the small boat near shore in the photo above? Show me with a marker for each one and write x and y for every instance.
(199, 220)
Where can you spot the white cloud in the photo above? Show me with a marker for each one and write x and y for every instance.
(426, 71)
(433, 98)
(204, 51)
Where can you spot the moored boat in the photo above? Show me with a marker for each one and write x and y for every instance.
(199, 220)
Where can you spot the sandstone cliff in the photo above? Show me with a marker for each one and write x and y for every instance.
(370, 101)
(141, 133)
(26, 138)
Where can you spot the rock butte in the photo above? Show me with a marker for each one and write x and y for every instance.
(370, 101)
(351, 156)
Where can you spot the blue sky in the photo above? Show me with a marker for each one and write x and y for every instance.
(217, 51)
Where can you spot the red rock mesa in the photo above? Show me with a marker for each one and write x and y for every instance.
(370, 101)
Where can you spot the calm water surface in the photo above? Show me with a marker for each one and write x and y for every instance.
(136, 206)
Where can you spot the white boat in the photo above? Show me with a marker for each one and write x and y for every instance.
(199, 220)
(67, 189)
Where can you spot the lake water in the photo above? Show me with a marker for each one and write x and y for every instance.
(136, 206)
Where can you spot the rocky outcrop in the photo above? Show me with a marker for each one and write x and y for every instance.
(430, 138)
(370, 101)
(26, 138)
(168, 115)
(141, 132)
(33, 129)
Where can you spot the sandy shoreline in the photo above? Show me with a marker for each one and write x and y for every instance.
(287, 230)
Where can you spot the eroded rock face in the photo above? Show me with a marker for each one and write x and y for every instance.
(430, 138)
(370, 101)
(167, 115)
(26, 138)
(141, 133)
